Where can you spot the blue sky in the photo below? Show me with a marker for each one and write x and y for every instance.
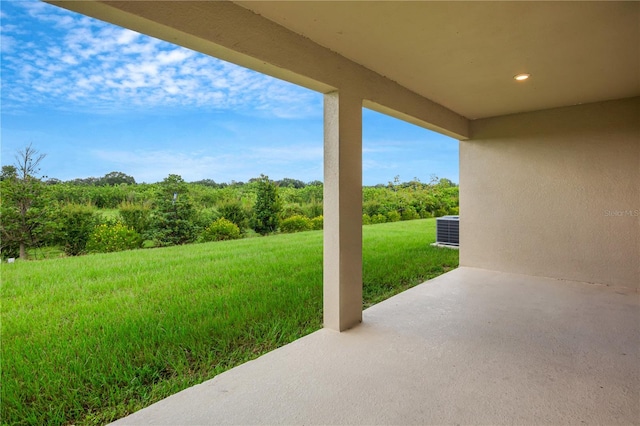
(97, 98)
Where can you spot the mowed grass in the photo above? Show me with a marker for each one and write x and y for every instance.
(87, 340)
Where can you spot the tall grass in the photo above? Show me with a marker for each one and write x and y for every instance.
(90, 339)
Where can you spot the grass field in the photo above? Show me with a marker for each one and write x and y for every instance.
(87, 340)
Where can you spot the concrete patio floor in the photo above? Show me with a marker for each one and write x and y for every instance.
(469, 347)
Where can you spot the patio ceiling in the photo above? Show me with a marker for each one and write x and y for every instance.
(463, 55)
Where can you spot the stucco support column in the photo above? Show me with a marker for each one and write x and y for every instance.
(342, 277)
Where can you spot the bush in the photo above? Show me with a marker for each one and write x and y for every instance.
(366, 219)
(441, 212)
(267, 207)
(9, 249)
(220, 230)
(317, 223)
(313, 209)
(204, 217)
(109, 238)
(378, 218)
(290, 210)
(373, 207)
(174, 220)
(410, 213)
(393, 216)
(234, 212)
(135, 216)
(76, 223)
(173, 227)
(296, 223)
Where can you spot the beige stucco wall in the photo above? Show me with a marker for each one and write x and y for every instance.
(555, 193)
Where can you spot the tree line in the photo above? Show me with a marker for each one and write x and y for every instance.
(115, 213)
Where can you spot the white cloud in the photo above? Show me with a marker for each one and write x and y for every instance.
(7, 44)
(36, 9)
(69, 59)
(176, 55)
(127, 36)
(64, 60)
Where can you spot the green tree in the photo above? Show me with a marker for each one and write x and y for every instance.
(290, 183)
(209, 182)
(174, 216)
(116, 178)
(267, 207)
(446, 183)
(53, 181)
(25, 214)
(8, 172)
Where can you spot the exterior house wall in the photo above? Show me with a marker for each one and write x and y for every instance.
(555, 193)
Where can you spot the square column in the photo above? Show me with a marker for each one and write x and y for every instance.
(342, 277)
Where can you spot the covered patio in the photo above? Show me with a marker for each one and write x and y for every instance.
(469, 347)
(540, 325)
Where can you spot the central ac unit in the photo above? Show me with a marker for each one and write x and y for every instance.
(448, 230)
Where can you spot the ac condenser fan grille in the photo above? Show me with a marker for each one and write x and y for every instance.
(448, 230)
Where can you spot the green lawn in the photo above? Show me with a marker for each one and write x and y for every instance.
(89, 339)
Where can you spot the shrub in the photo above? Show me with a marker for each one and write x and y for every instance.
(109, 238)
(173, 220)
(173, 228)
(267, 207)
(135, 216)
(204, 217)
(296, 223)
(313, 209)
(410, 213)
(378, 218)
(373, 207)
(366, 219)
(393, 216)
(233, 211)
(425, 214)
(8, 250)
(290, 210)
(76, 223)
(441, 212)
(317, 223)
(220, 230)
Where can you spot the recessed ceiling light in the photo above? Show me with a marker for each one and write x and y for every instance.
(521, 77)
